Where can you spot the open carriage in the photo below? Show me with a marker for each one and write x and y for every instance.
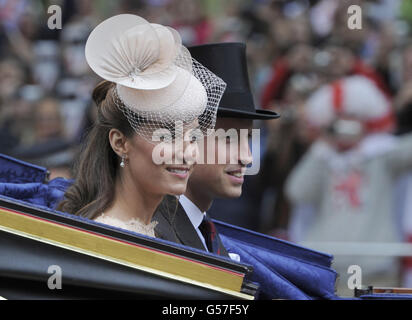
(93, 260)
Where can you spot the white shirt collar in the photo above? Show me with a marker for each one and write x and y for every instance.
(193, 212)
(196, 217)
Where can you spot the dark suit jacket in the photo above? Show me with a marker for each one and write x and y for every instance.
(174, 225)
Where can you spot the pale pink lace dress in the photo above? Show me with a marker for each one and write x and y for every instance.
(134, 225)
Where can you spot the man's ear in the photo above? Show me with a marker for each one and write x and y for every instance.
(118, 142)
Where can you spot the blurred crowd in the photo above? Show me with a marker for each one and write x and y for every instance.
(298, 52)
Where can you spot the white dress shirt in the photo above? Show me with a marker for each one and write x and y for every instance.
(196, 217)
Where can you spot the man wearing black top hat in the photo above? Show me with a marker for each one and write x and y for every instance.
(189, 224)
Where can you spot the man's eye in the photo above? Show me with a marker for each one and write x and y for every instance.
(165, 138)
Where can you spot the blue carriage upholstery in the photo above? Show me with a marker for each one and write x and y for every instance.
(282, 269)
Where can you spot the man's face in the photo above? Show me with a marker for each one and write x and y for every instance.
(223, 180)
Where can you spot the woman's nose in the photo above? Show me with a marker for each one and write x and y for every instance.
(190, 152)
(186, 152)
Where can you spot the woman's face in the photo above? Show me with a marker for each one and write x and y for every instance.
(164, 177)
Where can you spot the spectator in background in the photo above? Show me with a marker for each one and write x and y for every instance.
(11, 78)
(292, 78)
(348, 175)
(21, 27)
(293, 40)
(76, 82)
(48, 123)
(191, 22)
(16, 120)
(49, 147)
(405, 73)
(332, 61)
(298, 60)
(286, 142)
(403, 108)
(404, 187)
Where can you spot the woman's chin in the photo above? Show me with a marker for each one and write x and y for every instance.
(177, 189)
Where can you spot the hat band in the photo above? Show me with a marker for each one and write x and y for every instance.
(238, 101)
(384, 123)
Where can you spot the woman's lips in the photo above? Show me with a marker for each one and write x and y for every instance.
(180, 172)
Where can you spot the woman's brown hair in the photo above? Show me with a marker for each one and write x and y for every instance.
(97, 167)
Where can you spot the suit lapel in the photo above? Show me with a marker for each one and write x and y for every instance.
(185, 231)
(177, 227)
(164, 229)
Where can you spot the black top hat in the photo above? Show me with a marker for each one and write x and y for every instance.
(228, 61)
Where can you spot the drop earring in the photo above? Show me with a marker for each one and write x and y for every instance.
(122, 162)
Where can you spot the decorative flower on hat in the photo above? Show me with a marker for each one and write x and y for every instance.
(128, 50)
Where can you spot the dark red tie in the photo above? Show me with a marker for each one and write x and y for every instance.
(208, 229)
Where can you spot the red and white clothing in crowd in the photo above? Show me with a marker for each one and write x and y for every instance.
(351, 191)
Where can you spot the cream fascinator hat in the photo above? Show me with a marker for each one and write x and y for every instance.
(157, 81)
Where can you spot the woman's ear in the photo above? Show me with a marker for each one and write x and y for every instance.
(118, 142)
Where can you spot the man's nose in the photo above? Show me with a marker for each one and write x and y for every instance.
(245, 154)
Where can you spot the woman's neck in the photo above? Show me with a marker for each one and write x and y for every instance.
(132, 202)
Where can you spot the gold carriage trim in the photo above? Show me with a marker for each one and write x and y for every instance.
(122, 252)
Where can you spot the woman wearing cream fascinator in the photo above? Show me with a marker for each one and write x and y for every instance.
(151, 88)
